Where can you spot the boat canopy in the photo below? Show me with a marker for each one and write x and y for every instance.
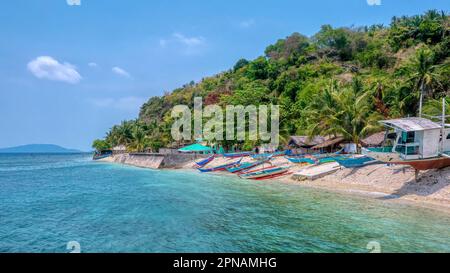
(411, 124)
(195, 148)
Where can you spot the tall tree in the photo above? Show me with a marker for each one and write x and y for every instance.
(422, 71)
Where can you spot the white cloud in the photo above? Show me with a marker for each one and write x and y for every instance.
(163, 42)
(46, 67)
(186, 45)
(92, 64)
(374, 2)
(189, 41)
(121, 72)
(73, 2)
(247, 23)
(122, 104)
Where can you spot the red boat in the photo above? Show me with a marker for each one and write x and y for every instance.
(273, 176)
(265, 173)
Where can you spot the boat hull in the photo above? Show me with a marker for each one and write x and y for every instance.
(268, 155)
(204, 162)
(220, 168)
(237, 155)
(98, 157)
(265, 173)
(273, 175)
(427, 164)
(245, 166)
(418, 164)
(356, 162)
(301, 160)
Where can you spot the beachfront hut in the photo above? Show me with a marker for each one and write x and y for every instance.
(267, 148)
(374, 140)
(303, 144)
(417, 137)
(330, 145)
(196, 148)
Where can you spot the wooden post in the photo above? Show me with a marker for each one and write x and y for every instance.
(421, 99)
(416, 174)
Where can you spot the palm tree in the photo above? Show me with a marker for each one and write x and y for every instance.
(139, 139)
(355, 118)
(422, 72)
(320, 113)
(101, 145)
(342, 112)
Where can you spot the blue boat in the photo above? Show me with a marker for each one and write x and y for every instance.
(203, 162)
(301, 160)
(267, 155)
(266, 173)
(221, 167)
(246, 166)
(330, 159)
(315, 159)
(239, 154)
(356, 162)
(101, 155)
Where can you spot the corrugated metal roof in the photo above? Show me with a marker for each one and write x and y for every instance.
(412, 124)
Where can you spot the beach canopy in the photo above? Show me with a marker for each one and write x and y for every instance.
(195, 148)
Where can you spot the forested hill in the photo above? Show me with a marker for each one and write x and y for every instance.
(340, 81)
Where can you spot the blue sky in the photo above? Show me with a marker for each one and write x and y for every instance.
(69, 72)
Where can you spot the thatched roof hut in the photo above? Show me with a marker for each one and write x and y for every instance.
(330, 143)
(374, 140)
(305, 142)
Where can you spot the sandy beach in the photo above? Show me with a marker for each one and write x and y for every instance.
(392, 183)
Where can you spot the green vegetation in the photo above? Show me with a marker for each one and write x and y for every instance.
(340, 81)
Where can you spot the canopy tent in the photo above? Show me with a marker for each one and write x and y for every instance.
(195, 148)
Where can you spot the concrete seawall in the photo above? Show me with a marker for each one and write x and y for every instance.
(153, 160)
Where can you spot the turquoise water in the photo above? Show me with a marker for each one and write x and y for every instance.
(49, 200)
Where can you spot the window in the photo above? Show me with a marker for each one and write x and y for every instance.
(407, 137)
(411, 137)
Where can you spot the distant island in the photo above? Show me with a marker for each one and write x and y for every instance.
(38, 149)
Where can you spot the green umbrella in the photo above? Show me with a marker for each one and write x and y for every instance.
(195, 148)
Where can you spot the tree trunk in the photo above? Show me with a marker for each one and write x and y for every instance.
(421, 99)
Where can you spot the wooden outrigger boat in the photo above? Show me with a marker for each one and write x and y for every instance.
(203, 162)
(275, 175)
(266, 173)
(315, 159)
(418, 142)
(246, 166)
(220, 167)
(308, 160)
(236, 155)
(102, 155)
(266, 155)
(356, 161)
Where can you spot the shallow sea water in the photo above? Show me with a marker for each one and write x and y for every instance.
(48, 200)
